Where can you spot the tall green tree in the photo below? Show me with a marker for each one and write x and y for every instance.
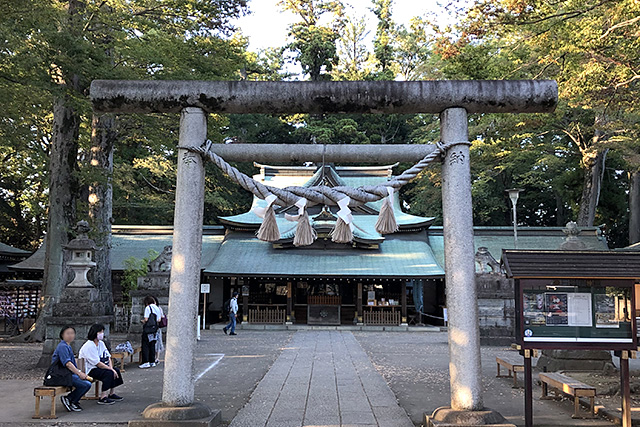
(313, 42)
(52, 50)
(590, 47)
(383, 42)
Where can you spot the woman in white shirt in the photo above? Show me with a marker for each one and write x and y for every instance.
(151, 317)
(98, 365)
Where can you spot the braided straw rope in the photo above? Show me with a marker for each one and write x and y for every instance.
(321, 194)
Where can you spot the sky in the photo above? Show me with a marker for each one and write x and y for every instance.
(267, 27)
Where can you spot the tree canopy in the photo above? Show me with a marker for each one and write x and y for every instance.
(575, 164)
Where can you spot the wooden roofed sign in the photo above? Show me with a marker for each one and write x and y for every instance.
(574, 299)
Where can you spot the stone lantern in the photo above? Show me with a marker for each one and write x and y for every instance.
(80, 303)
(81, 249)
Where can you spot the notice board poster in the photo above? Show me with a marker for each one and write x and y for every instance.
(606, 316)
(575, 312)
(557, 309)
(534, 312)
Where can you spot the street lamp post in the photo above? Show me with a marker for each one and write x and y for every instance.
(514, 193)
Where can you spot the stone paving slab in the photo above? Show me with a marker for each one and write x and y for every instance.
(322, 378)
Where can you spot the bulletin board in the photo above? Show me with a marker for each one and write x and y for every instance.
(576, 313)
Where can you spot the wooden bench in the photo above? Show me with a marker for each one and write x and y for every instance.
(96, 391)
(571, 387)
(53, 392)
(513, 364)
(121, 356)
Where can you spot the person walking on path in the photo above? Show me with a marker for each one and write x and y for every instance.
(233, 313)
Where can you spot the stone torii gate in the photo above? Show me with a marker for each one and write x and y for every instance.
(452, 100)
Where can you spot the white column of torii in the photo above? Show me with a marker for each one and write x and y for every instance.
(452, 100)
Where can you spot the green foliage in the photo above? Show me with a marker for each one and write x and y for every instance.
(134, 268)
(383, 43)
(590, 47)
(314, 44)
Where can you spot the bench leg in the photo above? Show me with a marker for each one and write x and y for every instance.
(515, 379)
(576, 407)
(545, 391)
(593, 409)
(498, 374)
(53, 406)
(37, 415)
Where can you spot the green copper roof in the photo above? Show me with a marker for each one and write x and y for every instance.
(137, 241)
(498, 238)
(7, 250)
(401, 256)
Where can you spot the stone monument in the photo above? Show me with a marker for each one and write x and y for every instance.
(496, 300)
(80, 304)
(155, 283)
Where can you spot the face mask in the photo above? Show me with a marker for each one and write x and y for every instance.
(100, 336)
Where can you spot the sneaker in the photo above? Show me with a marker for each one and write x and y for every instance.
(75, 407)
(157, 361)
(145, 365)
(67, 404)
(233, 333)
(224, 330)
(116, 397)
(153, 365)
(106, 401)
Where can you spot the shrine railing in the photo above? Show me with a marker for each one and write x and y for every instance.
(267, 315)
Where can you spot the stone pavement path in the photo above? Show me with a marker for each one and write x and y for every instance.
(322, 378)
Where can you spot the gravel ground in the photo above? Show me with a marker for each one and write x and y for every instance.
(18, 361)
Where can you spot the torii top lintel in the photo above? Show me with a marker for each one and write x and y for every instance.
(383, 97)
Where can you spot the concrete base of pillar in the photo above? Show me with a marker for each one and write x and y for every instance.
(447, 417)
(196, 415)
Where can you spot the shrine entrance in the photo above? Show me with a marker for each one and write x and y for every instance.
(452, 100)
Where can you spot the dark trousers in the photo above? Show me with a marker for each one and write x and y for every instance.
(148, 349)
(106, 377)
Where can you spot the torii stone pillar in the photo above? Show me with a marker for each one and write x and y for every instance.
(451, 99)
(184, 284)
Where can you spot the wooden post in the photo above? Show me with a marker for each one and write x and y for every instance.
(403, 301)
(359, 302)
(625, 389)
(528, 390)
(245, 302)
(289, 302)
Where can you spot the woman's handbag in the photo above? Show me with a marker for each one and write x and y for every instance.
(163, 322)
(58, 375)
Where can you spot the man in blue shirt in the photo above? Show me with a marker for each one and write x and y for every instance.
(64, 354)
(233, 313)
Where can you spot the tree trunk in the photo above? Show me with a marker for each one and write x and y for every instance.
(634, 207)
(594, 171)
(62, 206)
(561, 215)
(103, 136)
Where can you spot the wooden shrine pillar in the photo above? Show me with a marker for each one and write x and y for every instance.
(403, 302)
(359, 303)
(289, 303)
(245, 300)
